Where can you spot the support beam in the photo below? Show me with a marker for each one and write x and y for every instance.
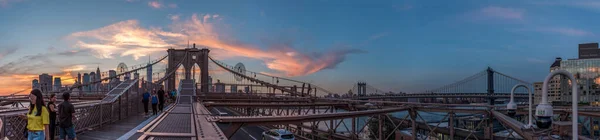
(234, 127)
(353, 135)
(380, 130)
(413, 118)
(451, 125)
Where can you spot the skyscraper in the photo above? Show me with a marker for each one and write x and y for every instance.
(113, 81)
(555, 91)
(586, 71)
(86, 80)
(35, 84)
(149, 73)
(589, 50)
(92, 79)
(57, 84)
(537, 95)
(587, 75)
(45, 83)
(98, 74)
(98, 78)
(78, 78)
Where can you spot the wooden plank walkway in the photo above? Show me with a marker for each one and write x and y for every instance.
(114, 130)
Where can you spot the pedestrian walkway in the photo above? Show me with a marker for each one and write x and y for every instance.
(184, 120)
(114, 130)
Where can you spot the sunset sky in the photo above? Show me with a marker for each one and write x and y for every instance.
(397, 45)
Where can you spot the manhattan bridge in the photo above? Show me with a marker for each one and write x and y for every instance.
(471, 108)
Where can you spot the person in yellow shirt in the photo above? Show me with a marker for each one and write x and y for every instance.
(37, 117)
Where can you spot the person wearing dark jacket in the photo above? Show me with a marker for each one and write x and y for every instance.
(145, 101)
(66, 115)
(52, 111)
(161, 98)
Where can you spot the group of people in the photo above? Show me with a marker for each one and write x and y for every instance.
(41, 118)
(157, 100)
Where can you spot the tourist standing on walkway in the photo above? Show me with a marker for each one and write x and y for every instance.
(161, 98)
(66, 114)
(154, 104)
(37, 117)
(145, 101)
(52, 109)
(173, 92)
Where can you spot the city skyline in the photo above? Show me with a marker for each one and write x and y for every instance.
(405, 46)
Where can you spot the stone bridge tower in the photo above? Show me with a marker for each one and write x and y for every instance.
(194, 56)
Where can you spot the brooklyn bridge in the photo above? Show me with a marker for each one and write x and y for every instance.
(250, 104)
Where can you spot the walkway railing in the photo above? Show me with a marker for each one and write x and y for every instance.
(87, 116)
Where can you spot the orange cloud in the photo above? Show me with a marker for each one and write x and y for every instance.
(127, 38)
(21, 83)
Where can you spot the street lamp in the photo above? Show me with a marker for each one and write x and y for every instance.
(512, 106)
(544, 110)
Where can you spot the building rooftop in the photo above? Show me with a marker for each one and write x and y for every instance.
(556, 62)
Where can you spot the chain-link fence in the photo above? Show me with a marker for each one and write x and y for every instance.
(88, 115)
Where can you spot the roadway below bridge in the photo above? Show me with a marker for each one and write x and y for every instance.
(245, 132)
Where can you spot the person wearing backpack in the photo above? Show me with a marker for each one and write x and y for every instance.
(154, 103)
(145, 101)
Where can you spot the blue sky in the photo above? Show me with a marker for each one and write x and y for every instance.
(393, 45)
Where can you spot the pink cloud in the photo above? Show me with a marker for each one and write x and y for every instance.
(159, 5)
(155, 4)
(503, 13)
(127, 38)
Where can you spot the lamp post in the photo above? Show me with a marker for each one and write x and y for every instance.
(544, 110)
(513, 106)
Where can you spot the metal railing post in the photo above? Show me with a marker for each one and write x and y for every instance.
(101, 114)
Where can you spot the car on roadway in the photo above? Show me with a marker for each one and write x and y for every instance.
(277, 134)
(222, 114)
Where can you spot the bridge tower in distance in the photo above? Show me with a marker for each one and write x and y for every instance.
(362, 88)
(490, 85)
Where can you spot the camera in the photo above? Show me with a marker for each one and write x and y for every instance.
(544, 114)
